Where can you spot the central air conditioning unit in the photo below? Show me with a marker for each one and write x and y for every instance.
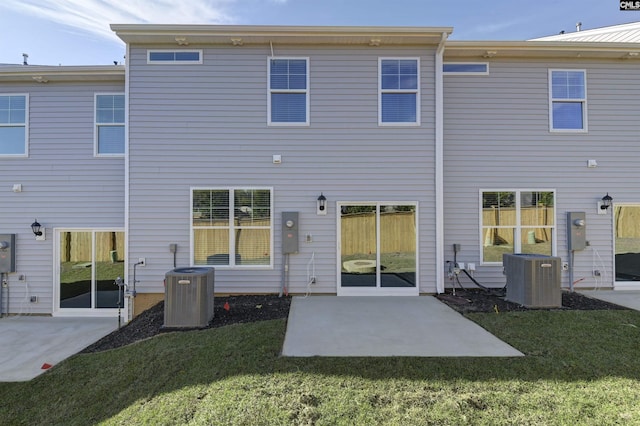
(188, 297)
(533, 280)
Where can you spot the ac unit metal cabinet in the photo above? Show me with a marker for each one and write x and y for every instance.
(188, 297)
(533, 280)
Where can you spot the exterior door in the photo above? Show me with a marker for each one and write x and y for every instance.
(626, 228)
(377, 252)
(88, 263)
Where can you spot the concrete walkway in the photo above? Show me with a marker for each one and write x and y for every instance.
(29, 342)
(385, 326)
(627, 298)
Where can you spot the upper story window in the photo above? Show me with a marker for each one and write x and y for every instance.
(465, 68)
(568, 100)
(110, 126)
(232, 227)
(398, 94)
(517, 221)
(174, 56)
(288, 102)
(13, 125)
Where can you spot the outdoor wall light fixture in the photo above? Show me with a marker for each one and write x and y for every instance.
(604, 204)
(38, 231)
(321, 205)
(35, 227)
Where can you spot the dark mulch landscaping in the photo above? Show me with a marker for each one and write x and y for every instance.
(243, 309)
(466, 301)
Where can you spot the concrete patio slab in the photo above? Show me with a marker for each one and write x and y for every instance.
(627, 298)
(419, 326)
(28, 342)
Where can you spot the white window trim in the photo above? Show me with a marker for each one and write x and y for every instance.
(96, 153)
(178, 62)
(305, 91)
(232, 253)
(583, 101)
(517, 240)
(416, 91)
(25, 124)
(486, 64)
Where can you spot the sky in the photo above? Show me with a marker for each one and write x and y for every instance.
(76, 32)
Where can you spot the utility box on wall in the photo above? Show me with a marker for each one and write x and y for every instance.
(533, 280)
(577, 231)
(289, 232)
(7, 253)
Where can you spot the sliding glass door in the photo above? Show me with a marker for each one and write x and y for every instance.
(378, 248)
(627, 246)
(89, 262)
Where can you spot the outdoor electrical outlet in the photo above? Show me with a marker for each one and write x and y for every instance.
(33, 299)
(596, 273)
(565, 266)
(142, 261)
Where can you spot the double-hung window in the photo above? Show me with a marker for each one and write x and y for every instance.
(517, 221)
(109, 127)
(568, 100)
(14, 125)
(232, 227)
(399, 94)
(288, 102)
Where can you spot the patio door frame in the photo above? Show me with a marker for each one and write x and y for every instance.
(620, 285)
(83, 312)
(377, 290)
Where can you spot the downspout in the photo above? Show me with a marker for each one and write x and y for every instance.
(439, 166)
(128, 307)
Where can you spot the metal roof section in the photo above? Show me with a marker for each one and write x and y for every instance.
(52, 74)
(483, 50)
(238, 35)
(624, 33)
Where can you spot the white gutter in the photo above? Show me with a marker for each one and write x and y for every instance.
(439, 166)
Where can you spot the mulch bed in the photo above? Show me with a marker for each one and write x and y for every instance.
(241, 309)
(251, 308)
(467, 301)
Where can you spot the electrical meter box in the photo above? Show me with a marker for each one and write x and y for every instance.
(289, 232)
(7, 253)
(577, 231)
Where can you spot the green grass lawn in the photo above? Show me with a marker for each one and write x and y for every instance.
(582, 367)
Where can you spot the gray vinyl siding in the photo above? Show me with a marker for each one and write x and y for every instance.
(497, 137)
(63, 184)
(206, 126)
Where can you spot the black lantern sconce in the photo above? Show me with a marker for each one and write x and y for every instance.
(321, 205)
(604, 204)
(36, 228)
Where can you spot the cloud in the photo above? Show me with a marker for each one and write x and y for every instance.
(94, 16)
